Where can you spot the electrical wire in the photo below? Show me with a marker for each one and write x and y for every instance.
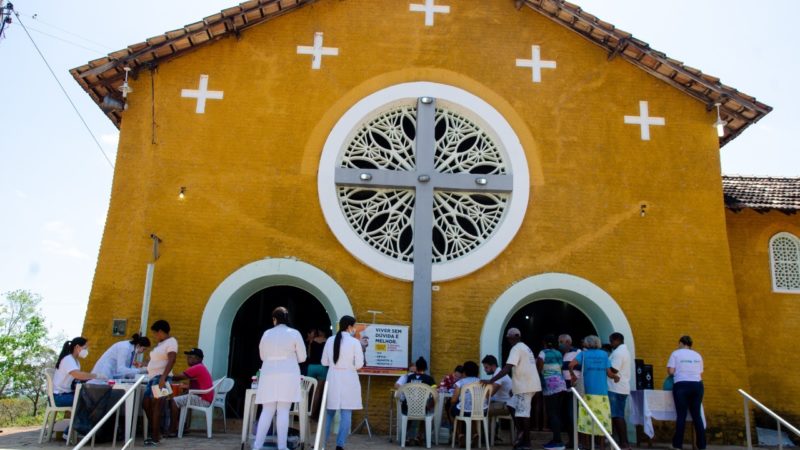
(36, 18)
(93, 50)
(100, 147)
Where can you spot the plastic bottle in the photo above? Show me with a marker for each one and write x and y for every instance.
(254, 380)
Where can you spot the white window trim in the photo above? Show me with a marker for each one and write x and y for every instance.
(796, 241)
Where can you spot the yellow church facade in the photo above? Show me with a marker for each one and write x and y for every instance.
(596, 172)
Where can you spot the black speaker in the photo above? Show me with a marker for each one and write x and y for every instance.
(647, 375)
(639, 364)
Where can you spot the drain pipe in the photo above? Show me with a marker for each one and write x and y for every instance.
(148, 285)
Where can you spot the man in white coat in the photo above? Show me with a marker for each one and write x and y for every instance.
(344, 355)
(281, 349)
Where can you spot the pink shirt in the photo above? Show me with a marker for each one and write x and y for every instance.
(200, 379)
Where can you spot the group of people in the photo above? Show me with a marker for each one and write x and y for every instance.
(121, 360)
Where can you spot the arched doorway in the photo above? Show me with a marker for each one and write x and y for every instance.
(594, 303)
(550, 316)
(254, 317)
(226, 301)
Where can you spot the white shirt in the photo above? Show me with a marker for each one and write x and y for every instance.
(344, 388)
(159, 356)
(62, 380)
(524, 376)
(568, 357)
(467, 396)
(620, 360)
(281, 350)
(116, 362)
(688, 365)
(503, 393)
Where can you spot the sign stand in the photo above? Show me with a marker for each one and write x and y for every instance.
(365, 421)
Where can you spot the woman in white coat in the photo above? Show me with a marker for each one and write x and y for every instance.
(344, 355)
(117, 361)
(281, 349)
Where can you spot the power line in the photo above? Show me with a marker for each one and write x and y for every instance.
(100, 147)
(93, 50)
(36, 18)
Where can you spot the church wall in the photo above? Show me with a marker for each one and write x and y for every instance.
(770, 320)
(249, 165)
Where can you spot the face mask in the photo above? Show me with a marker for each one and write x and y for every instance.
(352, 332)
(84, 353)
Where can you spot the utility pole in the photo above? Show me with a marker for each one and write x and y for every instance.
(5, 13)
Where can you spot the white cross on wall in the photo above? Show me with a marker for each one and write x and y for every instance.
(317, 51)
(536, 63)
(429, 8)
(202, 94)
(644, 120)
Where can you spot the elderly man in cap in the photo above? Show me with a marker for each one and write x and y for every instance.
(521, 363)
(199, 378)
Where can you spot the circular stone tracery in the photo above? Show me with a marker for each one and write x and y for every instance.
(384, 218)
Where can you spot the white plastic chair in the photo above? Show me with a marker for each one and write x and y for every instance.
(496, 423)
(480, 395)
(51, 412)
(220, 397)
(307, 387)
(417, 396)
(208, 410)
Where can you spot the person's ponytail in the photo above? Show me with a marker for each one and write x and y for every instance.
(141, 341)
(344, 323)
(69, 347)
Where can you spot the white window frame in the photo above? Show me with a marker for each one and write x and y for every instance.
(772, 261)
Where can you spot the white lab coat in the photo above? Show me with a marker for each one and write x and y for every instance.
(281, 349)
(116, 362)
(344, 388)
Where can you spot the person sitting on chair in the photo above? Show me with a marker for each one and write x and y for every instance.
(199, 379)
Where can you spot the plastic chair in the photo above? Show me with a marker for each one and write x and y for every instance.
(417, 397)
(307, 387)
(220, 397)
(51, 412)
(208, 410)
(480, 395)
(496, 423)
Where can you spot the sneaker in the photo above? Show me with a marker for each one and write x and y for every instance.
(150, 443)
(554, 445)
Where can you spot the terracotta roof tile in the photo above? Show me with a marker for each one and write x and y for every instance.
(761, 193)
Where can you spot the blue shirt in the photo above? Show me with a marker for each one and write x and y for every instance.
(595, 364)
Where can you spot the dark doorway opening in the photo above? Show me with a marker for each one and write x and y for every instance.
(542, 317)
(253, 318)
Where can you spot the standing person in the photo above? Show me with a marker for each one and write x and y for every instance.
(343, 355)
(68, 370)
(525, 382)
(686, 366)
(567, 419)
(118, 360)
(316, 370)
(549, 362)
(159, 369)
(199, 379)
(596, 370)
(282, 350)
(619, 387)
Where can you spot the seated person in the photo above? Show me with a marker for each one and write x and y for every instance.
(417, 376)
(68, 371)
(200, 379)
(471, 372)
(501, 389)
(119, 361)
(448, 382)
(403, 378)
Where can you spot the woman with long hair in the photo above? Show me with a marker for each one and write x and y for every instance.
(282, 350)
(344, 355)
(68, 370)
(118, 360)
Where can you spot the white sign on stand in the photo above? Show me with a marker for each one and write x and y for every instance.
(385, 349)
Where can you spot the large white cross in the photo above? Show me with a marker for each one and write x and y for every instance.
(317, 51)
(202, 94)
(644, 120)
(429, 8)
(536, 63)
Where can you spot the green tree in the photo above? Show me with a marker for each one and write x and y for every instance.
(23, 346)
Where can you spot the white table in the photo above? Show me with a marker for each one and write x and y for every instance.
(250, 414)
(650, 404)
(437, 418)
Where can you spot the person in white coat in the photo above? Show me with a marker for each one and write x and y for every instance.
(344, 355)
(281, 349)
(118, 360)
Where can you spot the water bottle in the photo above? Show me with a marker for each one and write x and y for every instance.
(254, 380)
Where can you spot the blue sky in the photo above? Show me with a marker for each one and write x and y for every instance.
(55, 183)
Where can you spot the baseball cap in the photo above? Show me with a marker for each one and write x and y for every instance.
(195, 351)
(513, 332)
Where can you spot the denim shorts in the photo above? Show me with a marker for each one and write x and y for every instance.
(148, 391)
(617, 404)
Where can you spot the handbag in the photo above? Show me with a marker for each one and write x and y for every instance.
(669, 381)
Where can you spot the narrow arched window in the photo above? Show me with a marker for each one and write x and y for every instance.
(784, 251)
